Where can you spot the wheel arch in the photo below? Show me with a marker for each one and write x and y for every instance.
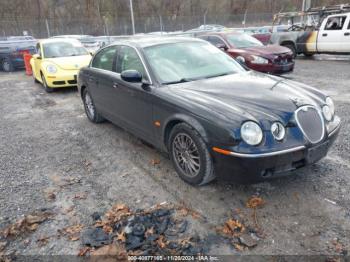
(182, 118)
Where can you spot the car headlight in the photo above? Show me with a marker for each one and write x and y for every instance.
(51, 69)
(331, 105)
(259, 60)
(327, 113)
(240, 59)
(251, 133)
(278, 131)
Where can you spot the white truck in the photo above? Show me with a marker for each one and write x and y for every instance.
(329, 34)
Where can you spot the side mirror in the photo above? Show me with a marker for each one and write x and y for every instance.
(36, 56)
(222, 47)
(132, 76)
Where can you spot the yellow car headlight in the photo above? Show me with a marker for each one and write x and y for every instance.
(51, 69)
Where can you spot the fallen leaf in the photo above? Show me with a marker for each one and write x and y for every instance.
(83, 251)
(238, 247)
(72, 232)
(149, 232)
(155, 162)
(161, 242)
(108, 229)
(50, 194)
(3, 245)
(27, 224)
(80, 196)
(43, 240)
(233, 227)
(255, 202)
(114, 251)
(121, 237)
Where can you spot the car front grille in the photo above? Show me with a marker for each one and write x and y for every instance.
(72, 82)
(283, 59)
(311, 123)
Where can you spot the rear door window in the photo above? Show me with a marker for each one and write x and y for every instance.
(105, 59)
(335, 23)
(128, 59)
(216, 40)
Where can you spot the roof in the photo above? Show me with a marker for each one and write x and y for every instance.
(153, 41)
(59, 40)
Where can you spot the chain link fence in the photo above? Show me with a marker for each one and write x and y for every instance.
(42, 28)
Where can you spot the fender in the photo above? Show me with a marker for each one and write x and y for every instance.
(174, 119)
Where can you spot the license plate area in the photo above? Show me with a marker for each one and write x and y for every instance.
(316, 153)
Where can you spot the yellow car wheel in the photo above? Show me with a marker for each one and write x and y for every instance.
(47, 88)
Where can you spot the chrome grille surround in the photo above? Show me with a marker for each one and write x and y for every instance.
(309, 134)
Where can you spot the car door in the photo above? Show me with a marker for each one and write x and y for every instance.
(333, 37)
(37, 61)
(100, 78)
(218, 42)
(135, 102)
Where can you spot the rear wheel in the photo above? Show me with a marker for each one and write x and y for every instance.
(308, 55)
(190, 155)
(90, 108)
(47, 88)
(7, 65)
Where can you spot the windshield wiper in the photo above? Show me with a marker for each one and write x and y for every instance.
(224, 74)
(182, 80)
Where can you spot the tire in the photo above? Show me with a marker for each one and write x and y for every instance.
(192, 160)
(292, 48)
(36, 81)
(46, 87)
(308, 55)
(90, 109)
(7, 65)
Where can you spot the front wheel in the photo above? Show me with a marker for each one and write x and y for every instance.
(90, 108)
(7, 65)
(47, 88)
(190, 155)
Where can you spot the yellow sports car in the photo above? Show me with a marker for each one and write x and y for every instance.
(58, 62)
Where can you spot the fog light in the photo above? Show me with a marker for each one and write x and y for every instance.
(278, 131)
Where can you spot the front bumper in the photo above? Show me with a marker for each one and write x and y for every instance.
(66, 79)
(271, 68)
(254, 168)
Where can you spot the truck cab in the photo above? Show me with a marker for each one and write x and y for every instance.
(334, 34)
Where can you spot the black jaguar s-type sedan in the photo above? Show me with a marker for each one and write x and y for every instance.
(212, 117)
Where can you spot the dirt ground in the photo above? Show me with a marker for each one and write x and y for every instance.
(53, 159)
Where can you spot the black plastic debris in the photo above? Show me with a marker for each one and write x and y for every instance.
(96, 216)
(148, 232)
(96, 237)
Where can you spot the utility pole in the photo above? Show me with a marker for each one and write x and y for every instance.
(132, 17)
(306, 5)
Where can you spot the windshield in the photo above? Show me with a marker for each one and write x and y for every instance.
(63, 49)
(243, 41)
(189, 61)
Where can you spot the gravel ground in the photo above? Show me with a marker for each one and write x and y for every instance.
(46, 140)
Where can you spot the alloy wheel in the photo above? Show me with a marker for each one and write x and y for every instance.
(186, 155)
(6, 66)
(89, 105)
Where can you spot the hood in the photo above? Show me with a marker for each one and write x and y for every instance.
(268, 50)
(70, 63)
(248, 96)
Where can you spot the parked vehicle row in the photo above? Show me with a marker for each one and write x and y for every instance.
(332, 36)
(252, 53)
(12, 50)
(58, 61)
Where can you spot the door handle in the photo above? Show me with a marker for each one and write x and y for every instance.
(347, 34)
(325, 35)
(115, 85)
